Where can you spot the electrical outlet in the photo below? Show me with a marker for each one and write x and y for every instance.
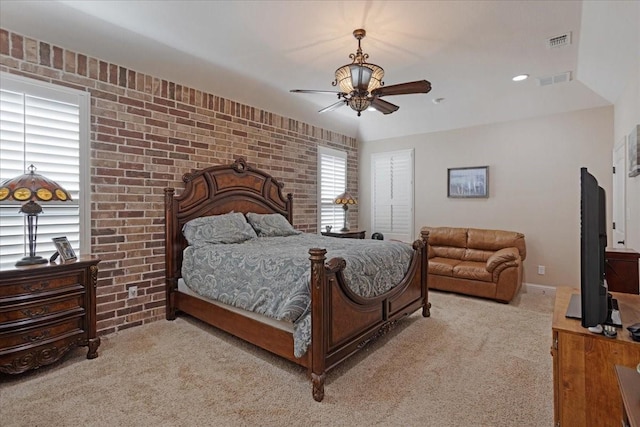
(133, 291)
(541, 270)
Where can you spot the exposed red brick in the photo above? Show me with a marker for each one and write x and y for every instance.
(69, 61)
(82, 64)
(103, 73)
(58, 58)
(4, 42)
(16, 46)
(113, 74)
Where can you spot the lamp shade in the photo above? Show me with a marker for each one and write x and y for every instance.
(32, 187)
(345, 199)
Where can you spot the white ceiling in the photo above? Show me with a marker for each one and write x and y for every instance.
(254, 52)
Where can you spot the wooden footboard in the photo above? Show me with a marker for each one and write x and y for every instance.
(342, 322)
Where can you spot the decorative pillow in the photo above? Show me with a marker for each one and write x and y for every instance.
(227, 228)
(271, 225)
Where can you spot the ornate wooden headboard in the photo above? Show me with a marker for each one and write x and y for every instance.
(213, 191)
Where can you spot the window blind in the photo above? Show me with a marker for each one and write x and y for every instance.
(40, 126)
(332, 167)
(392, 194)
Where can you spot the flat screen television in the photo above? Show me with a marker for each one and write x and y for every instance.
(594, 298)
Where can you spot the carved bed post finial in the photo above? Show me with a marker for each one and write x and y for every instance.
(240, 165)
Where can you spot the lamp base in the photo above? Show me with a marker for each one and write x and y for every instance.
(344, 229)
(31, 260)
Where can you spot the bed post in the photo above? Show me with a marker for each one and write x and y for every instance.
(171, 283)
(319, 297)
(424, 267)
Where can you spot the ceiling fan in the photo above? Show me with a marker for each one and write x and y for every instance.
(361, 84)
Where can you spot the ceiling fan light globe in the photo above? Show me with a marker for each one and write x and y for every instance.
(343, 79)
(359, 77)
(359, 103)
(377, 74)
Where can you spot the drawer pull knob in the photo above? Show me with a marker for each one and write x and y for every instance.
(37, 312)
(33, 338)
(32, 287)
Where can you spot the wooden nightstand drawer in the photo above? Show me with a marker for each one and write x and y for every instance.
(33, 287)
(41, 308)
(27, 337)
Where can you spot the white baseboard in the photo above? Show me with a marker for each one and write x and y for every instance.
(533, 288)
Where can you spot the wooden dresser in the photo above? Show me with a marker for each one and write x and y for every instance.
(621, 270)
(585, 385)
(45, 311)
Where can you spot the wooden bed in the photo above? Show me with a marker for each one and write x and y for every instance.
(342, 322)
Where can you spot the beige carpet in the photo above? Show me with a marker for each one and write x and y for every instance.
(473, 363)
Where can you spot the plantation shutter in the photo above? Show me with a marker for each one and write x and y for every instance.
(332, 167)
(40, 126)
(392, 194)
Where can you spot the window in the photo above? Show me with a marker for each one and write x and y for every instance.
(392, 194)
(47, 126)
(332, 171)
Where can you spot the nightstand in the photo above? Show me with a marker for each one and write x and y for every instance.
(45, 311)
(353, 234)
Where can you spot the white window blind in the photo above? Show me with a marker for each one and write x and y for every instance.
(47, 126)
(392, 194)
(332, 171)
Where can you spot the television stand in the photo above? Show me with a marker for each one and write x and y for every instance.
(585, 386)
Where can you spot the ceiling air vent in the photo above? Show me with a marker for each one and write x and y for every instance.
(554, 79)
(559, 41)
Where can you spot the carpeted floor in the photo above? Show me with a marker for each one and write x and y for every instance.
(472, 363)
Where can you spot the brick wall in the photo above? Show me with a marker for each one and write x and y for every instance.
(145, 134)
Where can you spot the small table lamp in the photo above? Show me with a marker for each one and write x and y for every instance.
(345, 199)
(32, 188)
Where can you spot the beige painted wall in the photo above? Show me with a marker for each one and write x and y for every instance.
(534, 181)
(627, 117)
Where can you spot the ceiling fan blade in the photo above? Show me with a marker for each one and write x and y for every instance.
(333, 92)
(421, 86)
(333, 106)
(383, 106)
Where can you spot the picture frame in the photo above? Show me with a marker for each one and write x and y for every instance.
(468, 182)
(64, 249)
(633, 145)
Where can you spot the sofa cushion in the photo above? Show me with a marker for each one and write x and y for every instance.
(494, 240)
(447, 236)
(477, 255)
(472, 270)
(442, 266)
(447, 252)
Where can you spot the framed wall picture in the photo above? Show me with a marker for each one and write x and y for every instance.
(471, 182)
(64, 248)
(633, 143)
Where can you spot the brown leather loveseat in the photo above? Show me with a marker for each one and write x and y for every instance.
(483, 263)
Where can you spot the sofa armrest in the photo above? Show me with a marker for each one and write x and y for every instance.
(502, 256)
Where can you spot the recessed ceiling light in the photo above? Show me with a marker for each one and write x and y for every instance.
(520, 77)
